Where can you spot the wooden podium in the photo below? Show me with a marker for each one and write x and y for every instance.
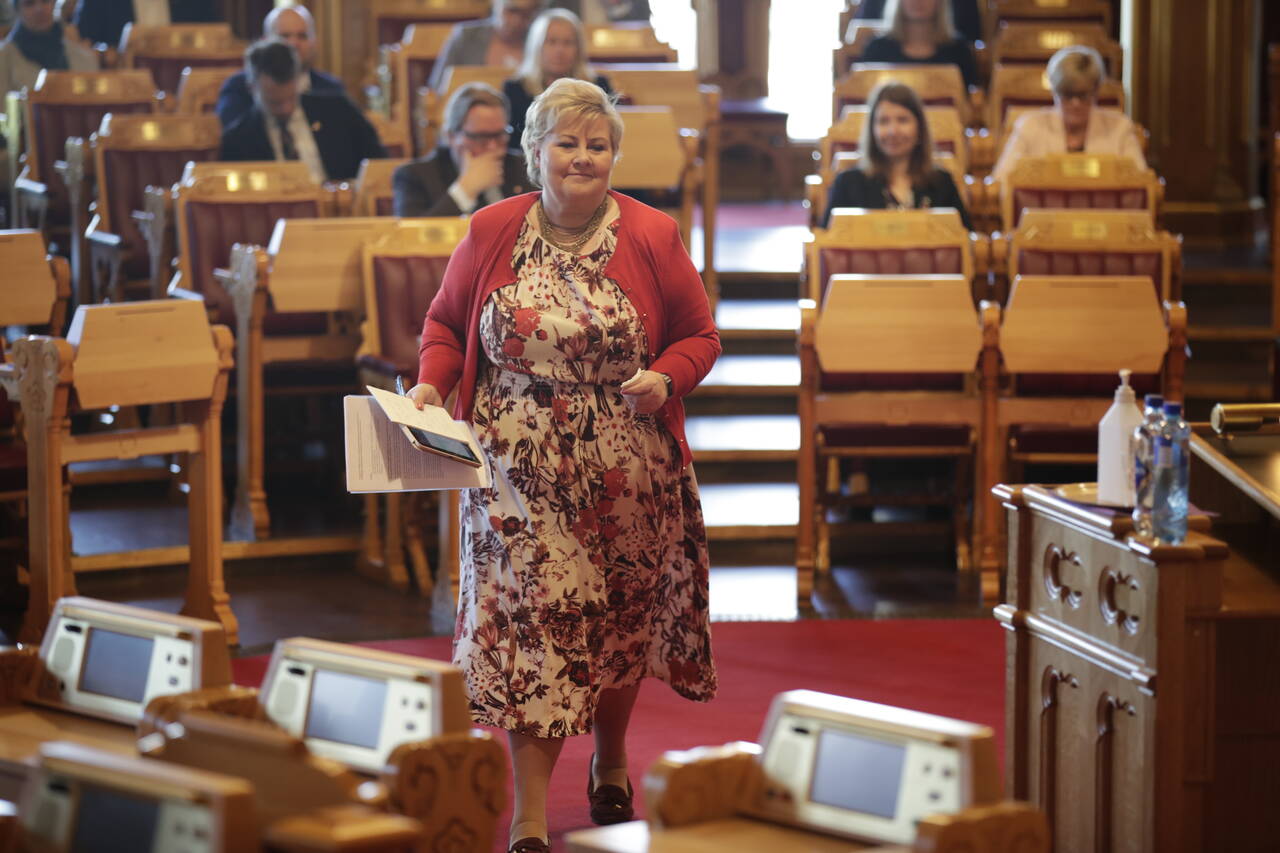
(1142, 711)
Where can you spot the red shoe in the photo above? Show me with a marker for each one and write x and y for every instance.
(609, 803)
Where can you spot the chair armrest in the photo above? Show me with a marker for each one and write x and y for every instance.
(1007, 825)
(815, 198)
(105, 240)
(344, 827)
(230, 701)
(705, 783)
(17, 666)
(457, 779)
(176, 292)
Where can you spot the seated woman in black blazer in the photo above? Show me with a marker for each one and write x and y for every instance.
(555, 47)
(920, 31)
(896, 170)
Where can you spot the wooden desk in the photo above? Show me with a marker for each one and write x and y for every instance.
(23, 728)
(715, 836)
(1143, 709)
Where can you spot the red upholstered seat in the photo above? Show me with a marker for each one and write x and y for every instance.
(126, 175)
(829, 381)
(404, 287)
(1099, 199)
(1047, 262)
(212, 228)
(384, 206)
(941, 260)
(51, 125)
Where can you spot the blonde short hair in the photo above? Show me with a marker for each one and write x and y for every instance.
(567, 101)
(530, 71)
(943, 29)
(1077, 68)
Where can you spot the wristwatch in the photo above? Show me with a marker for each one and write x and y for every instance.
(671, 391)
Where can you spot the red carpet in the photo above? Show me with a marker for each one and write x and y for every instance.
(949, 667)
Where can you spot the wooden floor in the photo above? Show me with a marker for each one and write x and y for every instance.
(745, 434)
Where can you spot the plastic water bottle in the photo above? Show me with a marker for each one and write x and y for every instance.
(1144, 448)
(1171, 467)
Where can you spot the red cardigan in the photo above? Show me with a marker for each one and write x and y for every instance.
(649, 264)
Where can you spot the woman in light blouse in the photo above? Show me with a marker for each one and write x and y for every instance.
(1073, 123)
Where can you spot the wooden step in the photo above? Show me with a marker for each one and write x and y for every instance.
(743, 438)
(758, 319)
(752, 375)
(750, 510)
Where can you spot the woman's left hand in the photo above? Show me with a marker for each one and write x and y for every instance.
(645, 392)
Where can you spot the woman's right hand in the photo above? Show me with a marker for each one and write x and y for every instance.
(424, 394)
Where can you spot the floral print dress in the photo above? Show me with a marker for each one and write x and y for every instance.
(584, 565)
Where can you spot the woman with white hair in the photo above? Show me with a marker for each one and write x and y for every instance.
(571, 322)
(1073, 123)
(556, 47)
(920, 31)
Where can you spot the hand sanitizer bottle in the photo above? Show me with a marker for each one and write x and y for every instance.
(1115, 451)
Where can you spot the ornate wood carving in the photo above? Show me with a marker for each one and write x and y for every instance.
(1114, 601)
(1050, 682)
(1058, 586)
(247, 287)
(455, 784)
(1104, 768)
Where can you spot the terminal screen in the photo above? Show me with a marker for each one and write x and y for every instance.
(346, 708)
(113, 822)
(116, 665)
(857, 773)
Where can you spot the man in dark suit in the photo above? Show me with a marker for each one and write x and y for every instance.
(473, 168)
(327, 132)
(295, 26)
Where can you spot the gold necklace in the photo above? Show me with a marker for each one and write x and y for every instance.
(570, 240)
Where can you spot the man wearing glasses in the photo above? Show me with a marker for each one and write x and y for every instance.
(473, 167)
(496, 40)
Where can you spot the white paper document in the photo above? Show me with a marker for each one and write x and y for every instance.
(381, 459)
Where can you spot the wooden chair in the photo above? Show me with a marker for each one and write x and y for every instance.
(62, 105)
(1092, 243)
(128, 153)
(1028, 86)
(1029, 43)
(1050, 12)
(430, 120)
(696, 107)
(296, 303)
(373, 190)
(855, 37)
(198, 89)
(1062, 341)
(393, 135)
(893, 242)
(216, 205)
(402, 74)
(889, 370)
(937, 85)
(402, 271)
(1091, 181)
(125, 355)
(165, 51)
(390, 19)
(627, 43)
(40, 304)
(661, 161)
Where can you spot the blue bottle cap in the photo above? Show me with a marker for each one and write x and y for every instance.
(1172, 408)
(1153, 401)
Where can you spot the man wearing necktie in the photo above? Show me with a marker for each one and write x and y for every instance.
(323, 130)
